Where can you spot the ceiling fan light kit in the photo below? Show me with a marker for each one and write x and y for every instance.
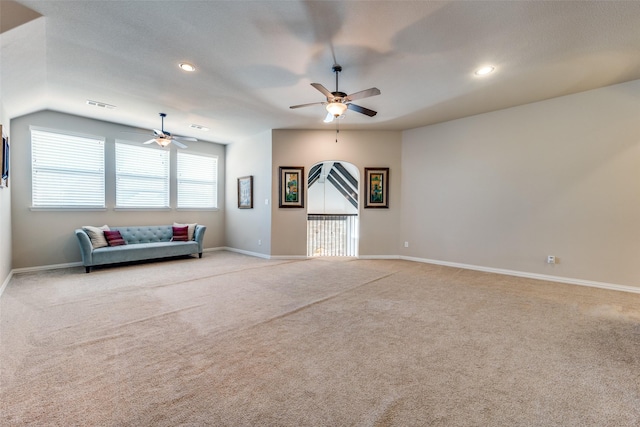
(330, 117)
(164, 138)
(336, 108)
(163, 142)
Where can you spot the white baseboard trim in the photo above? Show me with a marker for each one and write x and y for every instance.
(284, 257)
(379, 257)
(6, 282)
(264, 256)
(560, 279)
(214, 249)
(242, 251)
(46, 267)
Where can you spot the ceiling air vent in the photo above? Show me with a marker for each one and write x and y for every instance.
(202, 128)
(101, 105)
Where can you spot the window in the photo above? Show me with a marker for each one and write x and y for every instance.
(197, 181)
(66, 170)
(142, 177)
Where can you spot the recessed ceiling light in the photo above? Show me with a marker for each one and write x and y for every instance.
(100, 104)
(483, 71)
(186, 66)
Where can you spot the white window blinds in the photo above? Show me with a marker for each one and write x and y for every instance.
(66, 170)
(142, 177)
(197, 181)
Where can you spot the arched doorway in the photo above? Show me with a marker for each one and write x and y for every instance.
(332, 212)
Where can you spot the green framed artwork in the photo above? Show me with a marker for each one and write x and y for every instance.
(377, 188)
(291, 187)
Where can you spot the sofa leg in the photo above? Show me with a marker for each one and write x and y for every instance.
(87, 269)
(200, 255)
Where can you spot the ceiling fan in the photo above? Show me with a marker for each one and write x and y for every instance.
(164, 138)
(338, 102)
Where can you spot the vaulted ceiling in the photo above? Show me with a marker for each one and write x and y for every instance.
(254, 59)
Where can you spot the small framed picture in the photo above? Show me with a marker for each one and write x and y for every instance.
(377, 182)
(245, 192)
(291, 187)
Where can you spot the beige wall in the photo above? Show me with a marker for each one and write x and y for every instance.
(249, 229)
(42, 238)
(379, 228)
(505, 189)
(5, 215)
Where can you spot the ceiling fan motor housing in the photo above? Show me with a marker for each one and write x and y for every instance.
(338, 96)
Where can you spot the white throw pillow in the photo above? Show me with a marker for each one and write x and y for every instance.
(96, 234)
(190, 230)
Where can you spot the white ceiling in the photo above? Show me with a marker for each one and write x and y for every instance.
(256, 58)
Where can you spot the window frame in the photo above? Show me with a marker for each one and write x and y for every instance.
(99, 172)
(215, 183)
(117, 176)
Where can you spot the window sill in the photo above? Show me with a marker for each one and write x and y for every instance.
(143, 209)
(66, 208)
(198, 209)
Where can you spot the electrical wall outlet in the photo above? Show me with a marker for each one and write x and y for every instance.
(259, 242)
(551, 259)
(406, 244)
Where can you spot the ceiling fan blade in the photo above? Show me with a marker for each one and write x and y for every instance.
(151, 141)
(184, 138)
(307, 105)
(329, 118)
(363, 94)
(324, 91)
(362, 110)
(179, 144)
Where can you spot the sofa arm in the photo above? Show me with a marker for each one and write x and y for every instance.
(198, 236)
(86, 248)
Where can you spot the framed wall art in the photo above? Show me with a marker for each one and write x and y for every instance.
(4, 162)
(291, 187)
(377, 187)
(245, 192)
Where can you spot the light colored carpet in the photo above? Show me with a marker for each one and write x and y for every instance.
(230, 340)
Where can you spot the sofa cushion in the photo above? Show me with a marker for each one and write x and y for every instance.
(114, 238)
(192, 228)
(180, 234)
(142, 251)
(96, 234)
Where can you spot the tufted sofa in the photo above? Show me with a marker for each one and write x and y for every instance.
(142, 243)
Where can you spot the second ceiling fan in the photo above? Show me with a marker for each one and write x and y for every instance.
(164, 138)
(338, 102)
